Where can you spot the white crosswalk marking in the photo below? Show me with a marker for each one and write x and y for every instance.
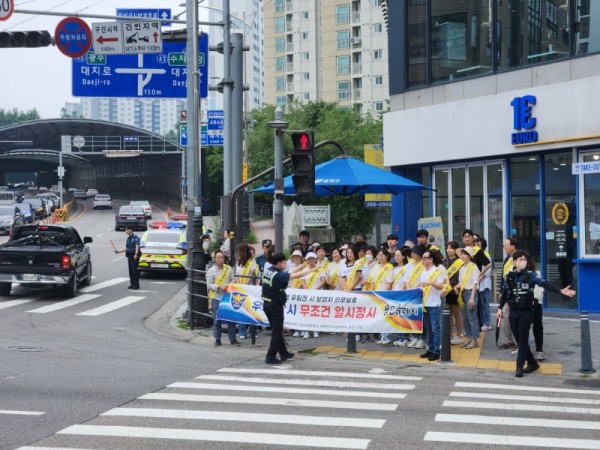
(10, 303)
(20, 413)
(539, 429)
(111, 306)
(104, 284)
(64, 304)
(317, 373)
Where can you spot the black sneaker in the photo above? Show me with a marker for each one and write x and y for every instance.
(217, 343)
(427, 354)
(272, 360)
(434, 357)
(531, 368)
(288, 355)
(235, 342)
(519, 373)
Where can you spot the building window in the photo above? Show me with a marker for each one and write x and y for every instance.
(305, 35)
(343, 39)
(304, 15)
(378, 54)
(280, 84)
(377, 28)
(305, 55)
(343, 90)
(280, 45)
(306, 95)
(306, 75)
(279, 24)
(376, 2)
(378, 106)
(279, 6)
(280, 64)
(280, 100)
(342, 14)
(378, 79)
(343, 65)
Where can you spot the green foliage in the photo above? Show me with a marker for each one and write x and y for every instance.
(173, 136)
(251, 237)
(8, 117)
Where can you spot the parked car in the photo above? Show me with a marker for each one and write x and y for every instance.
(91, 193)
(163, 250)
(10, 216)
(133, 216)
(102, 201)
(144, 204)
(7, 198)
(41, 208)
(80, 194)
(28, 212)
(51, 199)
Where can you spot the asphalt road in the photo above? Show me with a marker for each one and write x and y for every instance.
(103, 380)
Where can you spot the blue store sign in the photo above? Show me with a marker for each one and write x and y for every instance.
(523, 120)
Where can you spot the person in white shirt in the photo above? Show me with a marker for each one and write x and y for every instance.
(217, 279)
(466, 289)
(333, 270)
(314, 280)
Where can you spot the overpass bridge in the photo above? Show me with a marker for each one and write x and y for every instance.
(118, 159)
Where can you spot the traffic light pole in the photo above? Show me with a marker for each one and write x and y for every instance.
(279, 125)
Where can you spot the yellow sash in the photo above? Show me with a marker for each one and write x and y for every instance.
(432, 276)
(508, 266)
(399, 275)
(313, 277)
(325, 264)
(380, 277)
(452, 271)
(219, 281)
(415, 274)
(334, 275)
(470, 268)
(245, 277)
(350, 281)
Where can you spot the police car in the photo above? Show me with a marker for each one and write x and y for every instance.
(164, 248)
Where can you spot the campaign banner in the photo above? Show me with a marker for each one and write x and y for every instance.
(333, 311)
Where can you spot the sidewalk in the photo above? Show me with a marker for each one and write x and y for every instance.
(562, 346)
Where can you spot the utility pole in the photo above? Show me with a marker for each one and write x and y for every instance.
(279, 125)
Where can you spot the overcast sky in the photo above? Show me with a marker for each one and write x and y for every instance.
(41, 77)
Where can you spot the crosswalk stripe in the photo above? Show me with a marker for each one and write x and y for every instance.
(111, 306)
(223, 387)
(11, 303)
(270, 401)
(510, 387)
(522, 441)
(518, 421)
(218, 436)
(104, 284)
(526, 398)
(21, 413)
(318, 373)
(326, 383)
(64, 304)
(520, 407)
(50, 448)
(245, 417)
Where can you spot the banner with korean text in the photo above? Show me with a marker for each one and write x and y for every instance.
(333, 311)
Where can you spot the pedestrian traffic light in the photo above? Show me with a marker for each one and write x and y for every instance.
(25, 39)
(303, 161)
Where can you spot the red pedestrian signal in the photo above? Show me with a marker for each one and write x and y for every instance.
(303, 161)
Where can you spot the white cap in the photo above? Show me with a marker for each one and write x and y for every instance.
(297, 253)
(311, 255)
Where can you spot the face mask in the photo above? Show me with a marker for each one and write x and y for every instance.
(369, 258)
(521, 265)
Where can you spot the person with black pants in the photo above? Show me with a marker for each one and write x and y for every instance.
(132, 253)
(274, 281)
(518, 293)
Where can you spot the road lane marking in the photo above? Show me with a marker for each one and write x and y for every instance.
(323, 383)
(125, 301)
(318, 374)
(21, 413)
(517, 421)
(64, 304)
(522, 441)
(526, 398)
(104, 284)
(217, 436)
(222, 387)
(245, 417)
(11, 303)
(520, 407)
(510, 387)
(271, 401)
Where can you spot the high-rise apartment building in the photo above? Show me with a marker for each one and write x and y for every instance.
(330, 51)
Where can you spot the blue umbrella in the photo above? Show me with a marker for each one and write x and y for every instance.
(345, 175)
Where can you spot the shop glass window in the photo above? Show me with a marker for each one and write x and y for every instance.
(525, 204)
(495, 229)
(459, 203)
(591, 207)
(441, 197)
(461, 43)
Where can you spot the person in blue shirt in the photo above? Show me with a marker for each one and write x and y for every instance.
(132, 253)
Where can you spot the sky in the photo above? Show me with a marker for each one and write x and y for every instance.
(40, 78)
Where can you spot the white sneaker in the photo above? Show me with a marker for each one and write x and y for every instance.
(241, 338)
(380, 341)
(358, 338)
(456, 340)
(412, 343)
(305, 335)
(486, 328)
(402, 342)
(296, 334)
(420, 344)
(316, 334)
(384, 342)
(515, 351)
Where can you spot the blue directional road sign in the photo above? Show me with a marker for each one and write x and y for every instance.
(213, 135)
(183, 135)
(146, 13)
(140, 76)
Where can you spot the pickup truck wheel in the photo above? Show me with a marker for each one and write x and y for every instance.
(88, 275)
(70, 289)
(5, 289)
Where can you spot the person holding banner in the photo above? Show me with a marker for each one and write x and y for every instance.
(315, 280)
(466, 290)
(274, 281)
(510, 247)
(246, 272)
(381, 278)
(333, 270)
(351, 271)
(401, 258)
(453, 264)
(432, 280)
(217, 279)
(411, 281)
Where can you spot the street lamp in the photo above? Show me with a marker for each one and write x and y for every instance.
(279, 125)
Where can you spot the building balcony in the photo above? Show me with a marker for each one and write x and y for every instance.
(356, 94)
(289, 6)
(356, 68)
(290, 87)
(289, 67)
(288, 27)
(355, 16)
(289, 47)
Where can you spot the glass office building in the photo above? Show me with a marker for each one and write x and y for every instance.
(493, 103)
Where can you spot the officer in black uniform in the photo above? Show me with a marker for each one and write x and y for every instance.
(517, 290)
(274, 281)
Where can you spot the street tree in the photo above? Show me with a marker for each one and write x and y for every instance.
(8, 117)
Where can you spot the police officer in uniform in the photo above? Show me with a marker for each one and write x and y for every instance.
(132, 252)
(274, 281)
(517, 291)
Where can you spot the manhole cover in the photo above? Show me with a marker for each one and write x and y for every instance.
(24, 348)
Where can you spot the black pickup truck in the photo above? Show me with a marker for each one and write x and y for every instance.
(40, 255)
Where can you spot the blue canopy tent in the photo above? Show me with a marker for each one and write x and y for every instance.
(346, 175)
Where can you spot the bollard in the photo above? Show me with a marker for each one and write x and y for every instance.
(586, 346)
(446, 331)
(351, 346)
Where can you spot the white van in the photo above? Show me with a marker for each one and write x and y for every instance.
(7, 198)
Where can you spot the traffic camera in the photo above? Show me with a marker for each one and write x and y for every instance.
(25, 39)
(303, 160)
